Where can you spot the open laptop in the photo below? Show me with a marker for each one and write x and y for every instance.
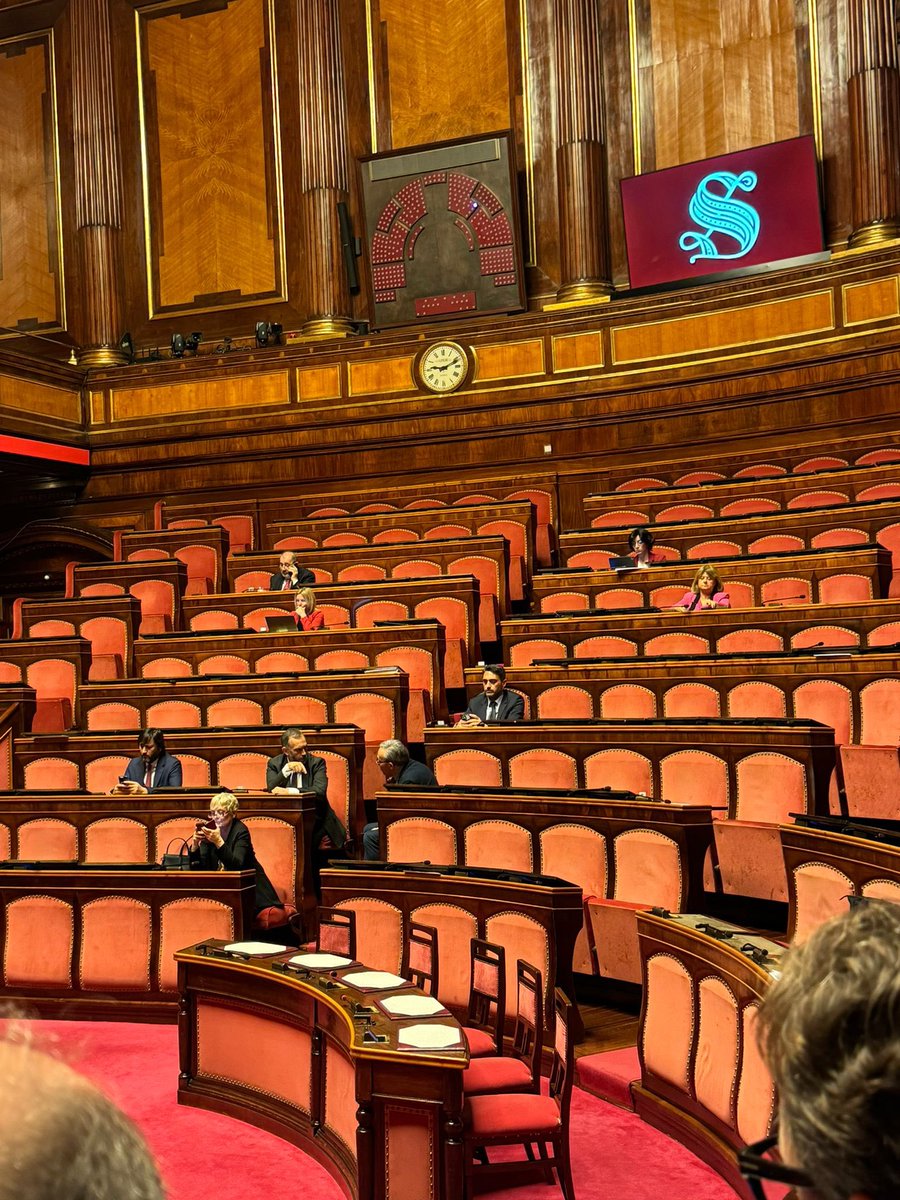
(622, 564)
(281, 625)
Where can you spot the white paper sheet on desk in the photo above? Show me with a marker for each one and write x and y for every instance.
(430, 1037)
(412, 1006)
(255, 948)
(374, 979)
(321, 961)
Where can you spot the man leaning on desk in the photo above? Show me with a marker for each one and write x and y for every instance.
(153, 768)
(290, 575)
(296, 770)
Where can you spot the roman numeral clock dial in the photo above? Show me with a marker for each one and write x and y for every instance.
(443, 367)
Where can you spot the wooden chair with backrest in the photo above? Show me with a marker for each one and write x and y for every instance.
(519, 1071)
(337, 932)
(526, 1119)
(420, 957)
(487, 999)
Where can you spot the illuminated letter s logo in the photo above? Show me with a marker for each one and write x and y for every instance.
(713, 208)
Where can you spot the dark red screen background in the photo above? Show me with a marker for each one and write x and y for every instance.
(786, 197)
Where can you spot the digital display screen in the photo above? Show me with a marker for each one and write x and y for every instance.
(741, 210)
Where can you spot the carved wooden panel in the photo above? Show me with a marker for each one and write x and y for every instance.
(30, 251)
(720, 75)
(212, 176)
(427, 90)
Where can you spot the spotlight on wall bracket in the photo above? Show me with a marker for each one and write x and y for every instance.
(182, 345)
(268, 334)
(126, 345)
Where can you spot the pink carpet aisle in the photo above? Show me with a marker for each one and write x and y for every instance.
(204, 1156)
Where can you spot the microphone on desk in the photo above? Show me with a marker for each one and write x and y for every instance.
(783, 600)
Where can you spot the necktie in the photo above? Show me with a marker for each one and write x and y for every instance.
(492, 710)
(148, 776)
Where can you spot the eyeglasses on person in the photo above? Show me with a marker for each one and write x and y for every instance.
(759, 1170)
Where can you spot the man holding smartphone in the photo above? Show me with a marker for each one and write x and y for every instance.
(152, 769)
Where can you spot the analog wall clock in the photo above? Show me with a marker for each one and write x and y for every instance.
(443, 367)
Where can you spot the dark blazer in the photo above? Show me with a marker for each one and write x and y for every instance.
(512, 707)
(315, 780)
(168, 772)
(305, 578)
(416, 773)
(236, 854)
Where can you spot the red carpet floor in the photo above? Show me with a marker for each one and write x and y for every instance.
(203, 1156)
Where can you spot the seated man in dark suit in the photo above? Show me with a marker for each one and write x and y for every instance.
(397, 767)
(496, 704)
(290, 575)
(152, 769)
(296, 770)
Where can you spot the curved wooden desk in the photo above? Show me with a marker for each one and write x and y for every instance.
(290, 1051)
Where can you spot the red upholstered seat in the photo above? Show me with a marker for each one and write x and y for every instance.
(519, 1071)
(521, 1119)
(479, 1042)
(394, 535)
(509, 1116)
(621, 518)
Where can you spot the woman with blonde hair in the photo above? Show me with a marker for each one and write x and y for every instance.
(306, 614)
(221, 842)
(707, 591)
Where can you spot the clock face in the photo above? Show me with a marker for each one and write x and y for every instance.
(443, 367)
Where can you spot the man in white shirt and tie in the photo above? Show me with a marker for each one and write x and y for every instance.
(290, 575)
(496, 704)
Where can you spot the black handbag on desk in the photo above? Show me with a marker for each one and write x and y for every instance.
(176, 862)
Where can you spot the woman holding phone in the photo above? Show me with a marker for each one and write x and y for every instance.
(222, 842)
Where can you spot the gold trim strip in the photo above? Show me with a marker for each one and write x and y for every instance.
(635, 87)
(370, 52)
(815, 79)
(524, 49)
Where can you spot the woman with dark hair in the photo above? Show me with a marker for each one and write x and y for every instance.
(640, 543)
(707, 591)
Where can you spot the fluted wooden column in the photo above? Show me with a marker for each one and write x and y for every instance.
(579, 156)
(97, 321)
(323, 168)
(873, 91)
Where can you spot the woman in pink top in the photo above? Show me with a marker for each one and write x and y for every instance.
(306, 614)
(706, 592)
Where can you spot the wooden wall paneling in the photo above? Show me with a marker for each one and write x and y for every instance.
(695, 68)
(407, 69)
(31, 293)
(213, 186)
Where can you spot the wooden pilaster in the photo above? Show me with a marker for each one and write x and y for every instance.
(97, 320)
(323, 167)
(580, 154)
(873, 90)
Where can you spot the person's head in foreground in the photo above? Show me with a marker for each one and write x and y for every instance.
(62, 1139)
(830, 1032)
